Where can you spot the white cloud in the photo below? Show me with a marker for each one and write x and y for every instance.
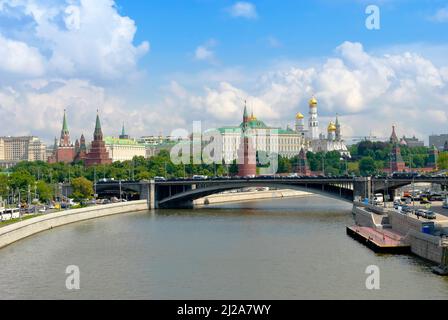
(18, 58)
(441, 15)
(243, 9)
(370, 92)
(93, 40)
(72, 55)
(37, 107)
(205, 52)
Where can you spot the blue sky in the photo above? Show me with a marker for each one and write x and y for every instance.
(159, 65)
(304, 29)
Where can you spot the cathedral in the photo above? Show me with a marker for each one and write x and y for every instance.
(319, 141)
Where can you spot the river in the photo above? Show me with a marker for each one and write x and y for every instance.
(270, 249)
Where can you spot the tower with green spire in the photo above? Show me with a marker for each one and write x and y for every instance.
(98, 133)
(123, 134)
(247, 159)
(64, 150)
(245, 117)
(98, 153)
(65, 134)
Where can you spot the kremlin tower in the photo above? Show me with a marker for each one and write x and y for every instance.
(81, 149)
(98, 153)
(64, 151)
(394, 137)
(247, 156)
(396, 160)
(303, 168)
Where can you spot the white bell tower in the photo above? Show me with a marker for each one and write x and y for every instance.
(313, 123)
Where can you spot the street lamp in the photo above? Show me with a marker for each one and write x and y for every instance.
(413, 192)
(121, 198)
(323, 164)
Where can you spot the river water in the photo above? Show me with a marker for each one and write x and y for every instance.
(275, 249)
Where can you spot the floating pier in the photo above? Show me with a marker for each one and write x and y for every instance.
(379, 241)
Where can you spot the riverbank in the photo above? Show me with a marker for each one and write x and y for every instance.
(250, 196)
(23, 229)
(393, 231)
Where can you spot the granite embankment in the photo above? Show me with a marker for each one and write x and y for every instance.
(20, 230)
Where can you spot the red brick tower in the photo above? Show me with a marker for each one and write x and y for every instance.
(303, 168)
(98, 153)
(394, 137)
(247, 156)
(65, 151)
(396, 160)
(81, 150)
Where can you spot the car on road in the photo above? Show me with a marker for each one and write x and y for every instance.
(427, 214)
(159, 179)
(430, 215)
(200, 177)
(406, 209)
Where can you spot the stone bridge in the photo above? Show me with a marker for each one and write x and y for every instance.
(180, 193)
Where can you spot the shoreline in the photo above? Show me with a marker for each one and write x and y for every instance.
(24, 229)
(17, 231)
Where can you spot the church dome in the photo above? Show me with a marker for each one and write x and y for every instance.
(313, 102)
(332, 127)
(300, 116)
(252, 117)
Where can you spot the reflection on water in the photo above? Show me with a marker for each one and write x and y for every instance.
(280, 249)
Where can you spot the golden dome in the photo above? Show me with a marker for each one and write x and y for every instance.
(252, 117)
(300, 116)
(313, 102)
(332, 127)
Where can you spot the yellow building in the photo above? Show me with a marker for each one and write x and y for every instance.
(23, 149)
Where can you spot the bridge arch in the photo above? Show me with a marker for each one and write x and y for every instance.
(186, 198)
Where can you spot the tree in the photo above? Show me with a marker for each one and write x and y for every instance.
(3, 185)
(44, 191)
(21, 179)
(353, 168)
(442, 161)
(367, 166)
(82, 189)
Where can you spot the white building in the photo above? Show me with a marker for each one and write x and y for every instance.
(272, 140)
